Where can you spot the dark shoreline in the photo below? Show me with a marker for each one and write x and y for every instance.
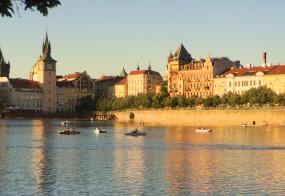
(39, 115)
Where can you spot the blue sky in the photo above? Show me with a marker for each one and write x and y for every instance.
(100, 36)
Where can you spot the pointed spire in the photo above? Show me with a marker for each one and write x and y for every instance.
(46, 48)
(182, 54)
(138, 67)
(123, 72)
(149, 67)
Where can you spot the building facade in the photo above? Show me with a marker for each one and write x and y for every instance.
(20, 94)
(189, 77)
(105, 86)
(71, 88)
(45, 91)
(121, 88)
(240, 80)
(143, 81)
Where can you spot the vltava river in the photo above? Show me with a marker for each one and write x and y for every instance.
(35, 160)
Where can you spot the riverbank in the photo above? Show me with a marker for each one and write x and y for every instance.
(40, 115)
(204, 117)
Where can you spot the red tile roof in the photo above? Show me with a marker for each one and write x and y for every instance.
(280, 69)
(139, 72)
(244, 71)
(23, 83)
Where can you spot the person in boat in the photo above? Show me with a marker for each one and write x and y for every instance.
(135, 131)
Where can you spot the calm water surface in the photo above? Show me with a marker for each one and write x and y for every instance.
(35, 160)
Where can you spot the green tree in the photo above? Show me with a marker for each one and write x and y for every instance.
(261, 95)
(164, 88)
(7, 7)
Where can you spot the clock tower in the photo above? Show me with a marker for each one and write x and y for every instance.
(44, 72)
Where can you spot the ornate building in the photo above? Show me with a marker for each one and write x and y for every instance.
(71, 88)
(189, 77)
(44, 91)
(44, 72)
(4, 66)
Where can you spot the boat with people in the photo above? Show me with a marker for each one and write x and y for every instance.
(244, 125)
(136, 133)
(69, 131)
(203, 130)
(100, 130)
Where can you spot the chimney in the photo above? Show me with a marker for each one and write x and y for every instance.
(264, 59)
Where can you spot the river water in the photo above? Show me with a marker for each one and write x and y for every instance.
(35, 160)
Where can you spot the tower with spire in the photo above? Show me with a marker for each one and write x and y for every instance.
(44, 72)
(149, 67)
(123, 72)
(4, 66)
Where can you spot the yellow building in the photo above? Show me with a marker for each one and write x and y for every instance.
(189, 77)
(143, 81)
(275, 79)
(121, 88)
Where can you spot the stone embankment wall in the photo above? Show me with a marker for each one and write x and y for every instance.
(205, 117)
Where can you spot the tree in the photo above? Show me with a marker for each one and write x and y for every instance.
(86, 104)
(164, 90)
(7, 7)
(260, 96)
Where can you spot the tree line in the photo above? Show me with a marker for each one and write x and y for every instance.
(254, 97)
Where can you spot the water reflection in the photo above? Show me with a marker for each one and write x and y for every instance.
(35, 160)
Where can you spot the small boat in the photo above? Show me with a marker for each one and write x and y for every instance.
(203, 130)
(99, 130)
(135, 133)
(69, 131)
(65, 122)
(244, 125)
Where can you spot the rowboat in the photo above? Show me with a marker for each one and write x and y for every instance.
(203, 130)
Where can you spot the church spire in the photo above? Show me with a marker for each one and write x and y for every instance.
(46, 49)
(123, 72)
(138, 67)
(149, 67)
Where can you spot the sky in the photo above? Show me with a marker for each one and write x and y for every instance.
(101, 36)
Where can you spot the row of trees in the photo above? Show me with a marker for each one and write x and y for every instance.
(253, 97)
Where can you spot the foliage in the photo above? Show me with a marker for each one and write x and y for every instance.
(253, 97)
(7, 7)
(86, 104)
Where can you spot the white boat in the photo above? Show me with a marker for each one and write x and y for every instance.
(99, 130)
(244, 125)
(203, 130)
(65, 122)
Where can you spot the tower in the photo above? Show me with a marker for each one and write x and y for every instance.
(264, 59)
(4, 67)
(44, 72)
